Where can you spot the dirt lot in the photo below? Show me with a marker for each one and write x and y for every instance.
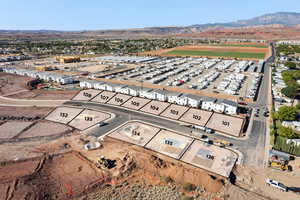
(10, 83)
(55, 177)
(12, 129)
(24, 111)
(45, 94)
(14, 86)
(45, 128)
(254, 180)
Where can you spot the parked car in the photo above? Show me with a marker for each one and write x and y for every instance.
(100, 124)
(277, 185)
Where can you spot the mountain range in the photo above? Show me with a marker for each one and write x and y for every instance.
(274, 20)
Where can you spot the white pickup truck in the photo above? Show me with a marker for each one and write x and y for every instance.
(277, 185)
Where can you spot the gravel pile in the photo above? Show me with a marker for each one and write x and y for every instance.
(140, 192)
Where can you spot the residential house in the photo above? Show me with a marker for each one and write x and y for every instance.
(231, 107)
(147, 93)
(193, 100)
(219, 106)
(208, 103)
(161, 95)
(134, 90)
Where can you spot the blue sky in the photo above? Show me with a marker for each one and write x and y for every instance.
(115, 14)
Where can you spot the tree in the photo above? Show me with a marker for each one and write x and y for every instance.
(286, 113)
(291, 65)
(287, 132)
(289, 91)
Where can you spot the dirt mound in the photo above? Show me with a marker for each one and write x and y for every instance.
(54, 177)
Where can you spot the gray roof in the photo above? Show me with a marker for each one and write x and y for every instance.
(228, 102)
(163, 92)
(174, 94)
(209, 99)
(134, 87)
(146, 89)
(195, 97)
(116, 85)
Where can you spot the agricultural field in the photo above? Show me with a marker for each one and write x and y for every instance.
(226, 50)
(217, 54)
(256, 45)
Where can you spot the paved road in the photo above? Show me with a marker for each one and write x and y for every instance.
(259, 128)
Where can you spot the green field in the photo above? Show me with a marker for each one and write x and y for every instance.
(216, 54)
(241, 45)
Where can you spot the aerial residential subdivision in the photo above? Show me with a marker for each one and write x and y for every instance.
(207, 111)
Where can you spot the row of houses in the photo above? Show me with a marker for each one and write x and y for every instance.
(14, 58)
(47, 76)
(278, 84)
(205, 103)
(252, 90)
(231, 84)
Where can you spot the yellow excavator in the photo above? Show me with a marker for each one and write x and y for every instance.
(105, 163)
(280, 166)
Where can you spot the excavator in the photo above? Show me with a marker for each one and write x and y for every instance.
(105, 163)
(280, 166)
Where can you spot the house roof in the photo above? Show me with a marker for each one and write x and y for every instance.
(146, 89)
(228, 102)
(163, 92)
(192, 96)
(132, 87)
(210, 99)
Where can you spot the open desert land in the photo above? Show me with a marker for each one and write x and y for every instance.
(260, 33)
(237, 51)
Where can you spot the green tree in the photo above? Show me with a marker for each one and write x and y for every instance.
(286, 113)
(291, 65)
(287, 132)
(289, 91)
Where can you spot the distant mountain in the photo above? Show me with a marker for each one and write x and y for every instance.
(281, 18)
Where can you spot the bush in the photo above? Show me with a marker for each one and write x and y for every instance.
(188, 187)
(167, 179)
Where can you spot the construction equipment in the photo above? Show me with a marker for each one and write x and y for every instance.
(280, 166)
(105, 163)
(223, 142)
